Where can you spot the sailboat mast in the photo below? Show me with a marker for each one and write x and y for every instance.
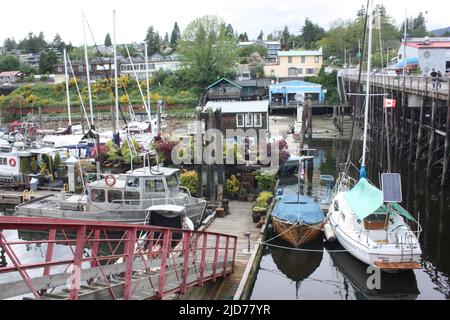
(148, 84)
(88, 77)
(363, 172)
(116, 81)
(67, 87)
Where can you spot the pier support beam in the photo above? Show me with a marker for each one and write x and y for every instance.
(420, 133)
(447, 141)
(432, 136)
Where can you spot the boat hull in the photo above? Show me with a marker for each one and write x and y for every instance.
(298, 234)
(387, 254)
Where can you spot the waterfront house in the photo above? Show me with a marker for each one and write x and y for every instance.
(283, 95)
(243, 115)
(425, 53)
(295, 64)
(239, 90)
(11, 76)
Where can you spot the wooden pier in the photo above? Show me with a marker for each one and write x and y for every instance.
(236, 224)
(420, 124)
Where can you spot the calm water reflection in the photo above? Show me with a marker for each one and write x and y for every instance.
(330, 275)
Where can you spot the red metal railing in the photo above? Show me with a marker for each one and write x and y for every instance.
(98, 260)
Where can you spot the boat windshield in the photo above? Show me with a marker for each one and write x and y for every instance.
(172, 182)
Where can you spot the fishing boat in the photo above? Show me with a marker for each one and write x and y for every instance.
(368, 222)
(121, 198)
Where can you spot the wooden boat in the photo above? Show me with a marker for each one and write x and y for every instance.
(297, 219)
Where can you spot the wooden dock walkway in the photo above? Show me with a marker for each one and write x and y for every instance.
(236, 224)
(421, 86)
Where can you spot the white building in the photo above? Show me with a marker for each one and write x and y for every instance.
(156, 62)
(427, 53)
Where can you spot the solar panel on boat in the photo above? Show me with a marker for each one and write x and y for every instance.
(392, 187)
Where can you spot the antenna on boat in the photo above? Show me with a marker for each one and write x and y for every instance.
(148, 84)
(67, 87)
(363, 172)
(116, 83)
(88, 76)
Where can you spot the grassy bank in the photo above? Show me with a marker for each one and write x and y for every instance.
(52, 97)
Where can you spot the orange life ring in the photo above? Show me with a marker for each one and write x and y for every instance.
(110, 180)
(12, 162)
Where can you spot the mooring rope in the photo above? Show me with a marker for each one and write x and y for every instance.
(299, 249)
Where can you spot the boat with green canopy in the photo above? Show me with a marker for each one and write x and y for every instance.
(368, 222)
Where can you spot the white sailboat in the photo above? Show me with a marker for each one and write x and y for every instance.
(366, 223)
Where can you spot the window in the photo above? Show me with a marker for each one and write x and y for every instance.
(303, 59)
(317, 59)
(3, 161)
(149, 186)
(159, 186)
(257, 120)
(240, 120)
(132, 198)
(292, 72)
(172, 182)
(98, 195)
(115, 196)
(81, 68)
(336, 206)
(133, 182)
(249, 120)
(289, 59)
(310, 71)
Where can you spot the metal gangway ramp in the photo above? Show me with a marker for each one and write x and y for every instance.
(107, 261)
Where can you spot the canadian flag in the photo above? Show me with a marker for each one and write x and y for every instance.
(390, 103)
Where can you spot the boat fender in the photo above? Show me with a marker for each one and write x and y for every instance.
(12, 162)
(110, 180)
(329, 233)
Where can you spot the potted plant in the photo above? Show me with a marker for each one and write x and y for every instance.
(265, 197)
(233, 187)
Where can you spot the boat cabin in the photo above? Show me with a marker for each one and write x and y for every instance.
(137, 189)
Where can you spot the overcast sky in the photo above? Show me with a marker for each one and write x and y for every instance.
(18, 17)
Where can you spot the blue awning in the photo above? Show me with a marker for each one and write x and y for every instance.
(409, 61)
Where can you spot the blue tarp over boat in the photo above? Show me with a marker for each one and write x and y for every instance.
(293, 209)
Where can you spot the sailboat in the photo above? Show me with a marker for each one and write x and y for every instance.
(297, 219)
(369, 223)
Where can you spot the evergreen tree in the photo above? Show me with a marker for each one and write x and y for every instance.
(108, 42)
(261, 35)
(58, 43)
(230, 30)
(311, 33)
(47, 61)
(285, 39)
(153, 41)
(10, 44)
(175, 36)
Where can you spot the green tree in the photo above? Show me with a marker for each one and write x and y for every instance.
(10, 44)
(47, 61)
(285, 39)
(207, 51)
(9, 63)
(153, 41)
(175, 36)
(58, 44)
(133, 52)
(311, 33)
(246, 51)
(243, 37)
(230, 30)
(33, 43)
(261, 35)
(108, 42)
